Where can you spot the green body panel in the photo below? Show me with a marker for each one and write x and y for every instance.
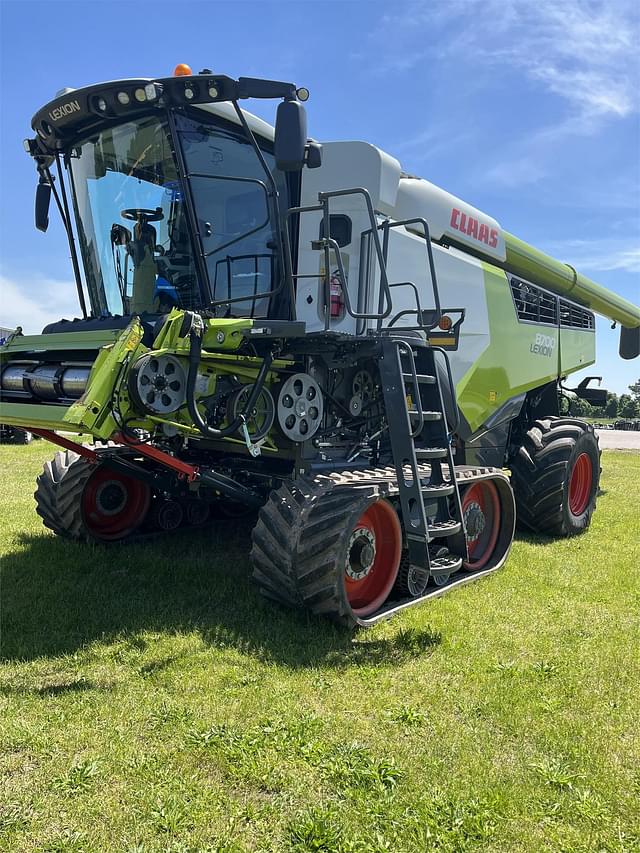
(219, 334)
(59, 341)
(34, 416)
(42, 416)
(524, 260)
(520, 356)
(577, 349)
(93, 411)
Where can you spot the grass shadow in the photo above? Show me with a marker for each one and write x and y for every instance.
(59, 688)
(59, 596)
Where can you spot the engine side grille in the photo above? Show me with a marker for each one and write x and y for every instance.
(534, 305)
(575, 317)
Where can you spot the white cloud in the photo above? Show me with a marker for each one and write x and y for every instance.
(584, 54)
(32, 301)
(605, 255)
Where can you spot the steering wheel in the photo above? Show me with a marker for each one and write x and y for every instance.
(137, 213)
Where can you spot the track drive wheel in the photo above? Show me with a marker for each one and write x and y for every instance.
(335, 552)
(89, 502)
(556, 474)
(481, 510)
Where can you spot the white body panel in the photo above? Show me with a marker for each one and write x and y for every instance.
(344, 165)
(394, 196)
(449, 217)
(459, 275)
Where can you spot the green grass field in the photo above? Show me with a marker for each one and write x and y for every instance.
(150, 700)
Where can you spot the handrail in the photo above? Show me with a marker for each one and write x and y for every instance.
(386, 226)
(414, 381)
(452, 388)
(328, 244)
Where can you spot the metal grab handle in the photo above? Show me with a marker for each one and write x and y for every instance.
(358, 315)
(414, 381)
(406, 311)
(328, 244)
(386, 227)
(452, 388)
(323, 198)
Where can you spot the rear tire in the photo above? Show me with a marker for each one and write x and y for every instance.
(89, 502)
(555, 476)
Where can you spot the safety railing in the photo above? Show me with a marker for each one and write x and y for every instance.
(425, 319)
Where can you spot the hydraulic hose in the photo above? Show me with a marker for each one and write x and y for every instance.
(195, 350)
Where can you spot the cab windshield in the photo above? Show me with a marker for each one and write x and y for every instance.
(133, 228)
(132, 224)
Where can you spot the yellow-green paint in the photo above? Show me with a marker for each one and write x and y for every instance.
(520, 356)
(219, 333)
(107, 385)
(34, 415)
(59, 341)
(93, 411)
(577, 349)
(532, 264)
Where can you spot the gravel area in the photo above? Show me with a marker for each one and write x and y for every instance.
(618, 439)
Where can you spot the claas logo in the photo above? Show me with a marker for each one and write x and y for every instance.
(474, 228)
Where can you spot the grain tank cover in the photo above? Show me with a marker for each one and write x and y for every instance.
(449, 217)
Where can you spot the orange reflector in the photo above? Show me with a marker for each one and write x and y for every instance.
(445, 323)
(182, 70)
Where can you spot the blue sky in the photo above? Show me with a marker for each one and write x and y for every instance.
(527, 109)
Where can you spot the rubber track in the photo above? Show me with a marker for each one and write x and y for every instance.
(302, 533)
(539, 471)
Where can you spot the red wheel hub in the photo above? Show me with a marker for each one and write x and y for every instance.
(113, 505)
(481, 513)
(373, 558)
(580, 484)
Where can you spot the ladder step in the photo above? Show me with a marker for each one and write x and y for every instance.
(444, 528)
(445, 565)
(427, 416)
(431, 452)
(423, 378)
(440, 490)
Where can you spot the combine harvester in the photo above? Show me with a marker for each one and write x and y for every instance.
(269, 322)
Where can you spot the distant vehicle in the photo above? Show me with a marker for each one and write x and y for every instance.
(10, 434)
(14, 435)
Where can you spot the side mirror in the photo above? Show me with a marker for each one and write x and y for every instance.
(629, 342)
(43, 198)
(290, 136)
(314, 155)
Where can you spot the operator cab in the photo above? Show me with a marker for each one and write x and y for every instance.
(178, 203)
(133, 222)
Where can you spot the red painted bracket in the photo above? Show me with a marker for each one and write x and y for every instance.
(67, 443)
(189, 472)
(151, 452)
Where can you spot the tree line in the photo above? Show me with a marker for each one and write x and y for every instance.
(625, 406)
